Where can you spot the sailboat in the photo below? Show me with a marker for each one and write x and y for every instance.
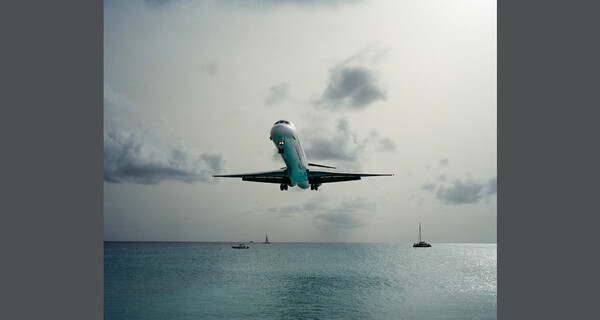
(421, 244)
(266, 239)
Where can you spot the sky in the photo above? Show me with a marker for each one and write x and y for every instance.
(192, 89)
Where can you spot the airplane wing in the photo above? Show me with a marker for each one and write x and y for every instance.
(318, 177)
(278, 176)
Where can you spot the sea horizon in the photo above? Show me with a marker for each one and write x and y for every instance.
(271, 242)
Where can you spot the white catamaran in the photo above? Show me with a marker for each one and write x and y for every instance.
(421, 244)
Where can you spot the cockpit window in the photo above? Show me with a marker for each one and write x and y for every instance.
(282, 121)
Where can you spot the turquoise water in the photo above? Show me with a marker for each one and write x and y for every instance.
(152, 280)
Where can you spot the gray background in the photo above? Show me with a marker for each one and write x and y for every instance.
(52, 131)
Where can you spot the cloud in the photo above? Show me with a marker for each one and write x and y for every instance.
(444, 162)
(287, 209)
(210, 68)
(341, 220)
(142, 156)
(353, 83)
(343, 145)
(137, 158)
(461, 191)
(291, 210)
(347, 214)
(429, 186)
(467, 191)
(384, 144)
(215, 161)
(252, 5)
(277, 93)
(118, 110)
(443, 177)
(262, 4)
(352, 87)
(159, 4)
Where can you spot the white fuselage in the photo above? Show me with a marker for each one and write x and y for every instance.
(286, 140)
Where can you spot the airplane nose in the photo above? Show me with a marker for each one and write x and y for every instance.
(281, 130)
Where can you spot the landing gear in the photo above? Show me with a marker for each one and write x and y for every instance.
(314, 186)
(283, 186)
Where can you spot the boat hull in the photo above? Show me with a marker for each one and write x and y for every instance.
(421, 245)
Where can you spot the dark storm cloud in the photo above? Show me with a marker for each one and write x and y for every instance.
(136, 158)
(277, 93)
(467, 191)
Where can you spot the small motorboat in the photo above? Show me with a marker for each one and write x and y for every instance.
(240, 246)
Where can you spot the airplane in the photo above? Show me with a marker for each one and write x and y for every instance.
(297, 171)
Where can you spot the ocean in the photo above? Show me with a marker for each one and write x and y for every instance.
(199, 280)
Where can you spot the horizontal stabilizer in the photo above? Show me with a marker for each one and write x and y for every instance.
(328, 177)
(320, 165)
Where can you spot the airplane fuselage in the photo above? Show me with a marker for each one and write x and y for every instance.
(296, 172)
(285, 138)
